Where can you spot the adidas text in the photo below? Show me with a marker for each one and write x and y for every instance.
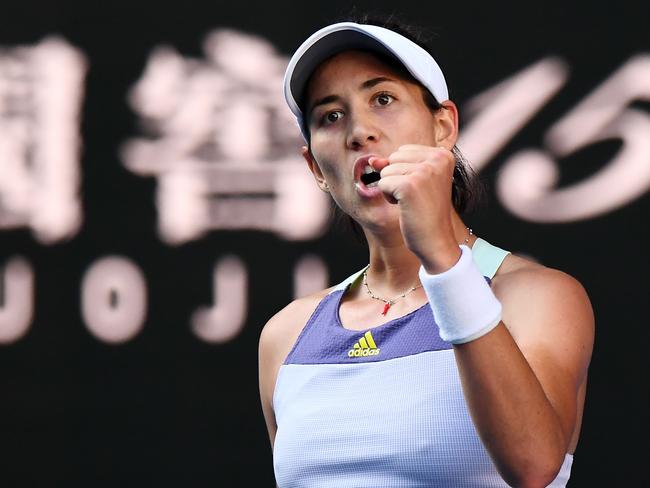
(355, 353)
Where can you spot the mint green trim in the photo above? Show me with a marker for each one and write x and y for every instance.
(350, 280)
(487, 257)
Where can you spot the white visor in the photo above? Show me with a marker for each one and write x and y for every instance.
(344, 36)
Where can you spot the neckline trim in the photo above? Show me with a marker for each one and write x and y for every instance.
(487, 257)
(396, 320)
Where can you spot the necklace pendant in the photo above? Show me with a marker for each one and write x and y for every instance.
(386, 307)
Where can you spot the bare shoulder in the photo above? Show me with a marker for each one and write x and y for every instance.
(544, 304)
(521, 278)
(281, 331)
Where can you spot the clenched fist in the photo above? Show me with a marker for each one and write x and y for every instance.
(419, 180)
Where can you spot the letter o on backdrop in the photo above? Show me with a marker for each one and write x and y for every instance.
(114, 299)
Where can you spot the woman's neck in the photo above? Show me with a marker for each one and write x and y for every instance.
(393, 267)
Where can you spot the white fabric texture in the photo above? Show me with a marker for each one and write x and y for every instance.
(401, 423)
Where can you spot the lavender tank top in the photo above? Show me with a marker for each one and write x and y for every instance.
(381, 407)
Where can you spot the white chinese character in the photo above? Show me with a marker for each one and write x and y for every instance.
(222, 144)
(41, 89)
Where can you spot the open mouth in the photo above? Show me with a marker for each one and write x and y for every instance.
(369, 177)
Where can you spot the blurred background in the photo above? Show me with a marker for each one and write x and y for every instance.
(155, 212)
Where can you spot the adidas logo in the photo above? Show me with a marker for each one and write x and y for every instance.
(365, 347)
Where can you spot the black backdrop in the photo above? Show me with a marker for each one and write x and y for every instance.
(168, 409)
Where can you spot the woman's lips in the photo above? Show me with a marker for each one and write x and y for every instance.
(359, 169)
(365, 191)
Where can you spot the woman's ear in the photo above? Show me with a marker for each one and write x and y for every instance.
(315, 169)
(447, 125)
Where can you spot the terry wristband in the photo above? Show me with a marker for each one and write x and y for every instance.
(462, 302)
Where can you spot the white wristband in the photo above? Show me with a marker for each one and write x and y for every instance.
(462, 302)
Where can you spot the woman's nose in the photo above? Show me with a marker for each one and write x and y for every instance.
(361, 130)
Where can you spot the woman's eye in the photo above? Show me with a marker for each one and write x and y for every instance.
(332, 117)
(384, 99)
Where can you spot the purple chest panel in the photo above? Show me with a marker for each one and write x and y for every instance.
(324, 340)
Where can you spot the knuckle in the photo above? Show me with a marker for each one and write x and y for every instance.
(429, 169)
(440, 169)
(408, 185)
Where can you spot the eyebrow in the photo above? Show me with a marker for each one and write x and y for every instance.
(363, 86)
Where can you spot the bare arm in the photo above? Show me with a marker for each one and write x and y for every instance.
(521, 380)
(268, 370)
(277, 339)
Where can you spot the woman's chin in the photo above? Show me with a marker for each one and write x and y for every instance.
(381, 218)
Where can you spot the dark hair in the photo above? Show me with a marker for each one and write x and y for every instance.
(468, 192)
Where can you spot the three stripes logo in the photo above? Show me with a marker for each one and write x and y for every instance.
(365, 347)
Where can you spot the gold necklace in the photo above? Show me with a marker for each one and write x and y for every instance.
(389, 303)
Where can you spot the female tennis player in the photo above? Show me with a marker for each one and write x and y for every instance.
(447, 361)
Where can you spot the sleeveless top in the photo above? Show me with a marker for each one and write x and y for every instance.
(382, 407)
